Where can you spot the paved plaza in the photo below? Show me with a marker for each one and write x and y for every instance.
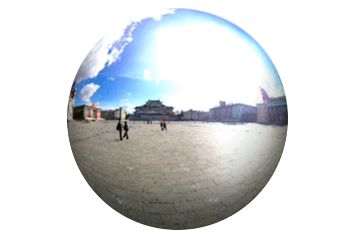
(192, 175)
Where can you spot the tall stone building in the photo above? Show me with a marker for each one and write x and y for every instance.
(273, 111)
(233, 113)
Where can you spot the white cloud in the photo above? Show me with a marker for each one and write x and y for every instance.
(146, 75)
(111, 78)
(110, 47)
(128, 107)
(157, 81)
(129, 93)
(88, 91)
(122, 100)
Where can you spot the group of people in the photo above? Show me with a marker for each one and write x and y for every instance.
(126, 129)
(163, 125)
(119, 128)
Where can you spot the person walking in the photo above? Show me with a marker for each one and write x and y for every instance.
(161, 125)
(119, 128)
(164, 125)
(126, 128)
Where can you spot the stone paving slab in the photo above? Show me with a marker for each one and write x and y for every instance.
(192, 175)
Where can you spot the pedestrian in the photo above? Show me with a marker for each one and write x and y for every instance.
(164, 125)
(119, 128)
(126, 128)
(161, 125)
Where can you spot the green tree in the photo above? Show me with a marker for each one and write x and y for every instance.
(181, 115)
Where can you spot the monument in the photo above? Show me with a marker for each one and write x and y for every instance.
(154, 110)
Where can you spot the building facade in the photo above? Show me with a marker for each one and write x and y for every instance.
(233, 113)
(120, 114)
(117, 114)
(83, 112)
(194, 115)
(191, 115)
(108, 114)
(273, 111)
(154, 110)
(203, 116)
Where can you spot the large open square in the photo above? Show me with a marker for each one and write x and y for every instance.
(188, 176)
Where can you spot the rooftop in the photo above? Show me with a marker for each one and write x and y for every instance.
(154, 101)
(231, 104)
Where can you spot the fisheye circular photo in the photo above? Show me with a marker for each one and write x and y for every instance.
(177, 119)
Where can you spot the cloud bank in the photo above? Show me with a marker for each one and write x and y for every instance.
(88, 91)
(110, 47)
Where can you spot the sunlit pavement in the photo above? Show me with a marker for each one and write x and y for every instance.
(192, 175)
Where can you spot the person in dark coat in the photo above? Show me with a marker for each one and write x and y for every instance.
(161, 125)
(126, 128)
(164, 125)
(119, 128)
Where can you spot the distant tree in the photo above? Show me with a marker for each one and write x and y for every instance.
(181, 114)
(128, 115)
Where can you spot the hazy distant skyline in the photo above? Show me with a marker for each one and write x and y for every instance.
(187, 59)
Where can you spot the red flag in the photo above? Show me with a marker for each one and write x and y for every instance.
(73, 90)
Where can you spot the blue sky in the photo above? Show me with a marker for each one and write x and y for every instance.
(187, 59)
